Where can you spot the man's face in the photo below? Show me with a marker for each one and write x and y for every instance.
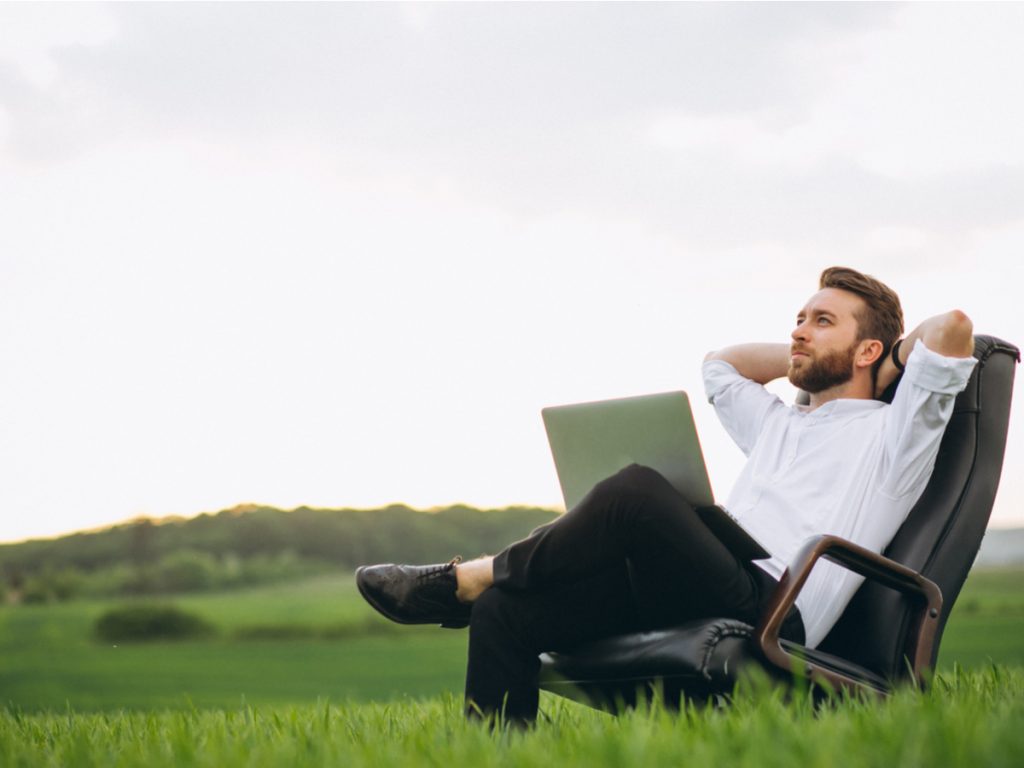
(825, 342)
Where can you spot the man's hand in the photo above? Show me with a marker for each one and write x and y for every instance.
(758, 362)
(950, 334)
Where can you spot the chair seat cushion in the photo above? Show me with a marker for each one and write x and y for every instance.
(694, 660)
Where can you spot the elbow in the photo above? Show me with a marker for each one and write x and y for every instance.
(958, 319)
(959, 328)
(954, 335)
(712, 355)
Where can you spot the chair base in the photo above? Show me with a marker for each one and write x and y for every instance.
(696, 662)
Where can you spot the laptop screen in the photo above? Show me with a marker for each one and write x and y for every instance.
(592, 441)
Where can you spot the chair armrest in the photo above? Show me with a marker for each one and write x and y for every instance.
(868, 564)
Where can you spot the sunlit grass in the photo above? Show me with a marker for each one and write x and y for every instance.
(966, 718)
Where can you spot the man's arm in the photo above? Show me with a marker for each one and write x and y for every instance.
(950, 334)
(758, 362)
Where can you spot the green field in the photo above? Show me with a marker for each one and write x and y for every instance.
(339, 686)
(49, 658)
(320, 640)
(987, 623)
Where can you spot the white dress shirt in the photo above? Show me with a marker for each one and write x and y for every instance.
(853, 468)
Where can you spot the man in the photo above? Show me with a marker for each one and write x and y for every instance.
(634, 554)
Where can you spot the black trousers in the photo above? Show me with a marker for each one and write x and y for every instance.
(633, 555)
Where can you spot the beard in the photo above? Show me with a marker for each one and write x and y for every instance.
(833, 368)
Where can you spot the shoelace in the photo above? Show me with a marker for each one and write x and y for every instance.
(433, 571)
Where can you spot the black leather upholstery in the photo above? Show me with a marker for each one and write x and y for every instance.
(699, 659)
(939, 539)
(696, 660)
(943, 532)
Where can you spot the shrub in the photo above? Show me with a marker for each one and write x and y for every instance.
(187, 571)
(113, 579)
(36, 592)
(140, 623)
(142, 580)
(264, 569)
(52, 585)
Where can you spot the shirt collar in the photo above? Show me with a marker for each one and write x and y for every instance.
(841, 407)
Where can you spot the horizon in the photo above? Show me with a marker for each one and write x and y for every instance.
(250, 507)
(245, 507)
(334, 255)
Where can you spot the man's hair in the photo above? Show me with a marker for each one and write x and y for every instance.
(882, 318)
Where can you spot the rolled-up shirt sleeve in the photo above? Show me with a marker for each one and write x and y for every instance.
(917, 418)
(742, 405)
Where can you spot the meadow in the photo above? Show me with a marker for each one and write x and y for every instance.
(965, 719)
(305, 674)
(285, 643)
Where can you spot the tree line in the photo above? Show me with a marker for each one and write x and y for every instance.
(250, 544)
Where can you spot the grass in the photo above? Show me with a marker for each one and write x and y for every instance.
(967, 718)
(49, 657)
(377, 695)
(293, 643)
(987, 623)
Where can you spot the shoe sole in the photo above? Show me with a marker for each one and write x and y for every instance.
(386, 614)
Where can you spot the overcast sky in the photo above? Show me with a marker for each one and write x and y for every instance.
(341, 255)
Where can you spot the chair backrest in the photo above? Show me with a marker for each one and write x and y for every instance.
(941, 536)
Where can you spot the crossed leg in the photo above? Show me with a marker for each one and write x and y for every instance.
(632, 555)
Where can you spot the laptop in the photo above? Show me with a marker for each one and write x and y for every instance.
(592, 441)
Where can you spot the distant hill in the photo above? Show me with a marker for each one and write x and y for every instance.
(345, 537)
(1002, 546)
(253, 544)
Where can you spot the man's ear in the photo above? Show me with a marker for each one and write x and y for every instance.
(868, 353)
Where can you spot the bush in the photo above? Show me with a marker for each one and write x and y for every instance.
(53, 585)
(113, 579)
(36, 592)
(140, 623)
(141, 580)
(265, 569)
(187, 571)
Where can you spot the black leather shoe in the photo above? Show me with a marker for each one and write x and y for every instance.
(414, 594)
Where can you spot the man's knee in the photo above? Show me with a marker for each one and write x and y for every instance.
(636, 479)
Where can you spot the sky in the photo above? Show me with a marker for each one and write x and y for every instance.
(341, 255)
